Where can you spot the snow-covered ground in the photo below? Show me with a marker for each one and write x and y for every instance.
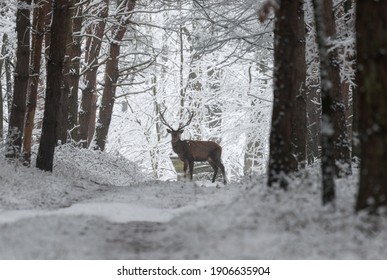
(95, 206)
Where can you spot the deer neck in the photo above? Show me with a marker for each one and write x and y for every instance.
(177, 147)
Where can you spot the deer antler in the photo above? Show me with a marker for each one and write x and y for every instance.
(181, 126)
(188, 122)
(163, 121)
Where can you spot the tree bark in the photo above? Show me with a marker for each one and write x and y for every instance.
(75, 52)
(93, 47)
(67, 69)
(299, 126)
(313, 119)
(21, 76)
(8, 81)
(3, 52)
(38, 21)
(323, 14)
(286, 43)
(2, 60)
(371, 37)
(52, 106)
(111, 77)
(341, 144)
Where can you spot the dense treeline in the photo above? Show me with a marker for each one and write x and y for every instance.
(231, 62)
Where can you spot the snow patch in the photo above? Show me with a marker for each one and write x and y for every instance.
(113, 212)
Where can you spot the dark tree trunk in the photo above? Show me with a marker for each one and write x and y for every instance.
(93, 47)
(21, 76)
(47, 33)
(286, 43)
(66, 88)
(75, 52)
(38, 119)
(2, 54)
(36, 57)
(313, 95)
(355, 124)
(341, 143)
(111, 77)
(371, 30)
(323, 14)
(299, 126)
(355, 110)
(52, 106)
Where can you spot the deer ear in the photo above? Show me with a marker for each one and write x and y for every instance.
(169, 131)
(181, 131)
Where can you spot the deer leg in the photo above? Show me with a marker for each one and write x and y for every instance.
(191, 166)
(215, 167)
(185, 168)
(221, 166)
(218, 163)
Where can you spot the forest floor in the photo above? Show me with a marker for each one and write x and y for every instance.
(94, 206)
(131, 222)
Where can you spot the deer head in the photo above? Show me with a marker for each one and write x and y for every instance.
(176, 134)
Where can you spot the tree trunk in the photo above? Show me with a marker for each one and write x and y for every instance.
(299, 126)
(371, 35)
(314, 120)
(214, 108)
(313, 91)
(252, 144)
(63, 110)
(323, 14)
(9, 84)
(47, 43)
(156, 151)
(36, 57)
(355, 124)
(2, 59)
(93, 118)
(75, 52)
(341, 144)
(51, 120)
(47, 33)
(2, 64)
(93, 47)
(286, 43)
(111, 77)
(181, 70)
(21, 76)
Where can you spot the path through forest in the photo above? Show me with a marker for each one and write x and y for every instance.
(132, 222)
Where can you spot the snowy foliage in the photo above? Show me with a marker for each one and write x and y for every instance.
(101, 168)
(75, 171)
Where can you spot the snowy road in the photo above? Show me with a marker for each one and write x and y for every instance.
(107, 209)
(120, 222)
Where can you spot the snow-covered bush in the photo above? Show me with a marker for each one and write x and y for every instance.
(96, 166)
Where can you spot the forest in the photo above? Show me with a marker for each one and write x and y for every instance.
(284, 87)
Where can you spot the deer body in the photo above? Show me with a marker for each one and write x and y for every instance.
(196, 150)
(190, 151)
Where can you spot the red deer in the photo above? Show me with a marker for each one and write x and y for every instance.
(190, 151)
